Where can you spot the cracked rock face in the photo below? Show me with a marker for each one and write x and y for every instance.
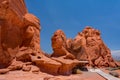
(92, 48)
(18, 29)
(88, 45)
(59, 45)
(20, 42)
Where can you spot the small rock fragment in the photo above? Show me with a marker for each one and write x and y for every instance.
(26, 68)
(16, 65)
(35, 69)
(115, 74)
(4, 71)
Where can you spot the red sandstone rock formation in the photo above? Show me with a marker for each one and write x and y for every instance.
(59, 45)
(60, 54)
(88, 45)
(18, 29)
(20, 42)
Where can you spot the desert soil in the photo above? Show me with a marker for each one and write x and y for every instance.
(20, 75)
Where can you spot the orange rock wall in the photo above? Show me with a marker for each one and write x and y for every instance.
(18, 29)
(20, 41)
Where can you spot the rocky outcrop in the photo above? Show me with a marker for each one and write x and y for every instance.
(66, 65)
(18, 29)
(59, 45)
(53, 65)
(88, 45)
(60, 53)
(4, 71)
(20, 42)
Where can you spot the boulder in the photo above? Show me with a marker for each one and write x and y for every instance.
(66, 65)
(35, 69)
(46, 64)
(26, 68)
(59, 45)
(16, 65)
(115, 74)
(4, 71)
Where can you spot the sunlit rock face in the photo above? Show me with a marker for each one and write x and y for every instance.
(60, 53)
(18, 29)
(59, 45)
(88, 45)
(20, 42)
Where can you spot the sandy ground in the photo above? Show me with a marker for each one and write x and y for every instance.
(106, 71)
(20, 75)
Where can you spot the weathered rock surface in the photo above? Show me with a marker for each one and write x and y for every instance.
(59, 45)
(4, 71)
(20, 38)
(16, 65)
(26, 68)
(92, 48)
(60, 53)
(115, 74)
(88, 45)
(20, 44)
(66, 65)
(18, 29)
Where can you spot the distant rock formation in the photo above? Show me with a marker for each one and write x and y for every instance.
(88, 45)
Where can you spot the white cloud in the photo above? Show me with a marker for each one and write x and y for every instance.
(116, 54)
(115, 51)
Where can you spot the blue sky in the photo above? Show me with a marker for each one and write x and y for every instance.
(73, 15)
